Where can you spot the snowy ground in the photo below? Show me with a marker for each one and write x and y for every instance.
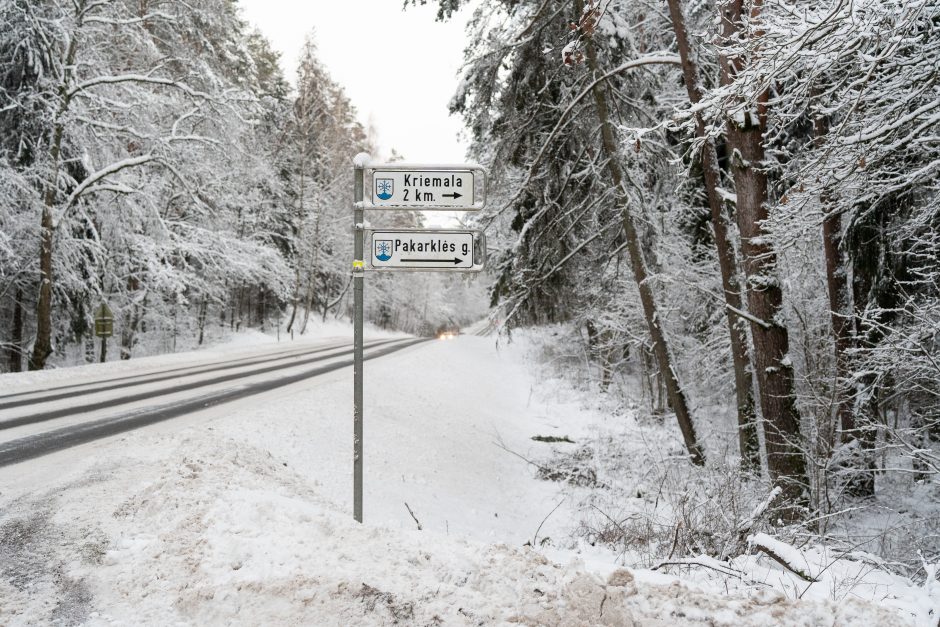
(242, 514)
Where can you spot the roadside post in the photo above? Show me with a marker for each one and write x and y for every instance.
(399, 186)
(358, 279)
(104, 328)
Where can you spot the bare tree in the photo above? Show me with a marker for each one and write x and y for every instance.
(745, 129)
(727, 259)
(609, 145)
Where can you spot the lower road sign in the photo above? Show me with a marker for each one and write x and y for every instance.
(420, 249)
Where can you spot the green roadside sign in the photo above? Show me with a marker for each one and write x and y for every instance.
(104, 321)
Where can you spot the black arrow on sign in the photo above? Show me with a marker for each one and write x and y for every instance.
(456, 260)
(455, 195)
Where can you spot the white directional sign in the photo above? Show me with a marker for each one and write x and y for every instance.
(398, 186)
(419, 249)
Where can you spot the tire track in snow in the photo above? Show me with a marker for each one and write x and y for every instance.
(142, 396)
(33, 446)
(78, 389)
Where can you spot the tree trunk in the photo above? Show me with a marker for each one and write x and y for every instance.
(203, 311)
(747, 426)
(295, 300)
(862, 480)
(774, 371)
(308, 300)
(131, 320)
(15, 352)
(838, 288)
(865, 406)
(660, 346)
(42, 347)
(236, 307)
(248, 308)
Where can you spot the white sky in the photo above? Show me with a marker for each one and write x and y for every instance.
(398, 67)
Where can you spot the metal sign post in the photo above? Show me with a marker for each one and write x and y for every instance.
(409, 187)
(358, 272)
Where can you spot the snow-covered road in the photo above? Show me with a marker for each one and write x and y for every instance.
(38, 422)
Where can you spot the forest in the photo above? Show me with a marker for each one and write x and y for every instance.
(734, 202)
(154, 157)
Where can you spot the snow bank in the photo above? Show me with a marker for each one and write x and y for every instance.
(222, 533)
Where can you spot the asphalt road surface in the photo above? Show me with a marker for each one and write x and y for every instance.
(43, 421)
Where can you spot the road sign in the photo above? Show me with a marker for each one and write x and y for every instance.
(421, 249)
(448, 188)
(400, 186)
(104, 321)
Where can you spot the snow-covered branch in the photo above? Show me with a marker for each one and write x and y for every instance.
(99, 19)
(103, 173)
(137, 78)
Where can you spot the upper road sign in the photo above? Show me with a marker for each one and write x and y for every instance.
(420, 249)
(449, 188)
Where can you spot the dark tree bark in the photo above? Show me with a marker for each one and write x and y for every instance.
(862, 480)
(15, 351)
(42, 348)
(727, 262)
(838, 288)
(131, 320)
(201, 319)
(865, 406)
(638, 262)
(774, 372)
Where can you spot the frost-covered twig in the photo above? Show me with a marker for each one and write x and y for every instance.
(704, 561)
(535, 537)
(499, 442)
(746, 524)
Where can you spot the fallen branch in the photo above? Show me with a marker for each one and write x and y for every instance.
(503, 446)
(704, 562)
(552, 438)
(782, 553)
(413, 517)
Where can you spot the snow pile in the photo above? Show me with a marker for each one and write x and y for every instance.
(225, 533)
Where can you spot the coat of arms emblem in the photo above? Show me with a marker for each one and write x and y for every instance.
(384, 188)
(383, 249)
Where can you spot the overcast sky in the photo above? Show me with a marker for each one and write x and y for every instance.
(398, 67)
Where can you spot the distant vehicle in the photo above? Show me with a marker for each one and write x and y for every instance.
(447, 332)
